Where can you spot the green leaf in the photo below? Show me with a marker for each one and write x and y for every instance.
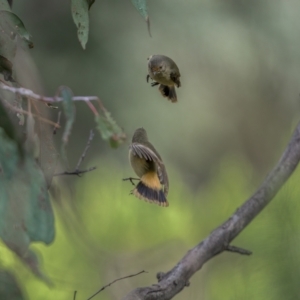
(80, 14)
(25, 210)
(110, 130)
(6, 68)
(69, 111)
(9, 287)
(12, 25)
(141, 6)
(4, 5)
(90, 3)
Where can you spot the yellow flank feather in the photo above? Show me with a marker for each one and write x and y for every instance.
(151, 180)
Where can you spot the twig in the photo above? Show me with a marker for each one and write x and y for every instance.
(221, 237)
(104, 287)
(85, 150)
(131, 179)
(74, 297)
(76, 172)
(239, 250)
(57, 124)
(81, 159)
(29, 93)
(21, 111)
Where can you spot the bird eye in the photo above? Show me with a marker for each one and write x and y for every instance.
(160, 67)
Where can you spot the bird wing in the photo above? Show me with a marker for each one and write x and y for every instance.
(151, 155)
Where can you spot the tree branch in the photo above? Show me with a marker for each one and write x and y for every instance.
(172, 282)
(29, 93)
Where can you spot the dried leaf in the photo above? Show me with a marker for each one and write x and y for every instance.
(80, 14)
(110, 130)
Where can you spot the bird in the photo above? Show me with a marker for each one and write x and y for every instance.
(165, 73)
(153, 185)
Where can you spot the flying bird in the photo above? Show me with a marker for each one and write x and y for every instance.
(153, 185)
(165, 73)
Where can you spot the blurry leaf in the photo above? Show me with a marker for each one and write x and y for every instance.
(90, 3)
(69, 111)
(12, 25)
(5, 5)
(9, 129)
(30, 259)
(80, 13)
(6, 68)
(25, 210)
(32, 141)
(9, 287)
(10, 2)
(141, 6)
(110, 130)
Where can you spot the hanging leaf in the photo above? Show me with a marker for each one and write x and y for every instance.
(11, 25)
(69, 111)
(110, 130)
(141, 6)
(80, 14)
(9, 287)
(90, 3)
(5, 5)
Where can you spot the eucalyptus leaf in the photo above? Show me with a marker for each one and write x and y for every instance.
(80, 14)
(6, 68)
(69, 111)
(11, 25)
(141, 6)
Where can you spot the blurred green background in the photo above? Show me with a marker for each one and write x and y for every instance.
(238, 105)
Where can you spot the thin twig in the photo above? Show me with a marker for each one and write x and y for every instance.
(21, 111)
(131, 179)
(82, 157)
(76, 172)
(29, 93)
(85, 150)
(74, 297)
(239, 250)
(57, 124)
(104, 287)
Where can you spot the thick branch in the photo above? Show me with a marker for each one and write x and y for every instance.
(219, 240)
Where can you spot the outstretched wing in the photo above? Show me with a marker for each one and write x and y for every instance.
(149, 153)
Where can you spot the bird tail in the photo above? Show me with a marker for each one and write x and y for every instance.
(150, 190)
(169, 92)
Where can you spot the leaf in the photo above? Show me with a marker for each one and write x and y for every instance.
(12, 25)
(90, 3)
(69, 111)
(9, 287)
(4, 5)
(6, 68)
(110, 130)
(32, 262)
(80, 14)
(141, 6)
(25, 210)
(9, 129)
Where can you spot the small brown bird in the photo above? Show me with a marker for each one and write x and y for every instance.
(164, 71)
(153, 186)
